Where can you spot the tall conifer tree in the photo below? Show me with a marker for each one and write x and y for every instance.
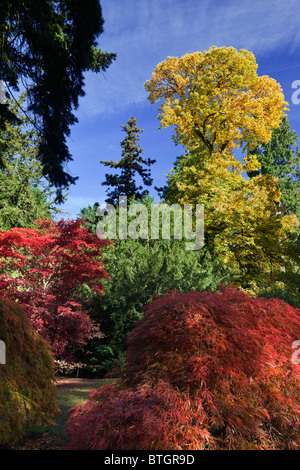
(131, 164)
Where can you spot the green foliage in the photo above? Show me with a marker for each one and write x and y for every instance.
(138, 270)
(25, 195)
(280, 158)
(27, 391)
(49, 45)
(279, 291)
(91, 217)
(131, 163)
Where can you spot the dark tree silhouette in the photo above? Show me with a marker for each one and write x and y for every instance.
(48, 45)
(131, 163)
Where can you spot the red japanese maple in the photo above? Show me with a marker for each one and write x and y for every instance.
(42, 268)
(203, 371)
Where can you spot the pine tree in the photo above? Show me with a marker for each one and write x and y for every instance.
(281, 158)
(131, 163)
(139, 269)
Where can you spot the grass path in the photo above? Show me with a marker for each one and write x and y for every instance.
(70, 392)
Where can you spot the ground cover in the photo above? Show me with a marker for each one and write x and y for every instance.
(70, 392)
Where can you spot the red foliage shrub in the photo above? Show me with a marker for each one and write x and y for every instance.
(227, 359)
(42, 269)
(148, 417)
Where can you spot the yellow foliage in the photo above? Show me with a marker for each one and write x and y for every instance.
(242, 221)
(218, 103)
(215, 98)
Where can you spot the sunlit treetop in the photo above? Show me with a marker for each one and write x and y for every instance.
(216, 100)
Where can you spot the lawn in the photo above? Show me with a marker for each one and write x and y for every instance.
(70, 392)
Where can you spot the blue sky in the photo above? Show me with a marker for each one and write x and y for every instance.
(144, 33)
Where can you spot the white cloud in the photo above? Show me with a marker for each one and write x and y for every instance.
(143, 33)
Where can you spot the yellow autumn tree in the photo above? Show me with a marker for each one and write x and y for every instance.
(217, 103)
(216, 98)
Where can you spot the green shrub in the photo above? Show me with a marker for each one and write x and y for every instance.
(27, 390)
(139, 270)
(280, 291)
